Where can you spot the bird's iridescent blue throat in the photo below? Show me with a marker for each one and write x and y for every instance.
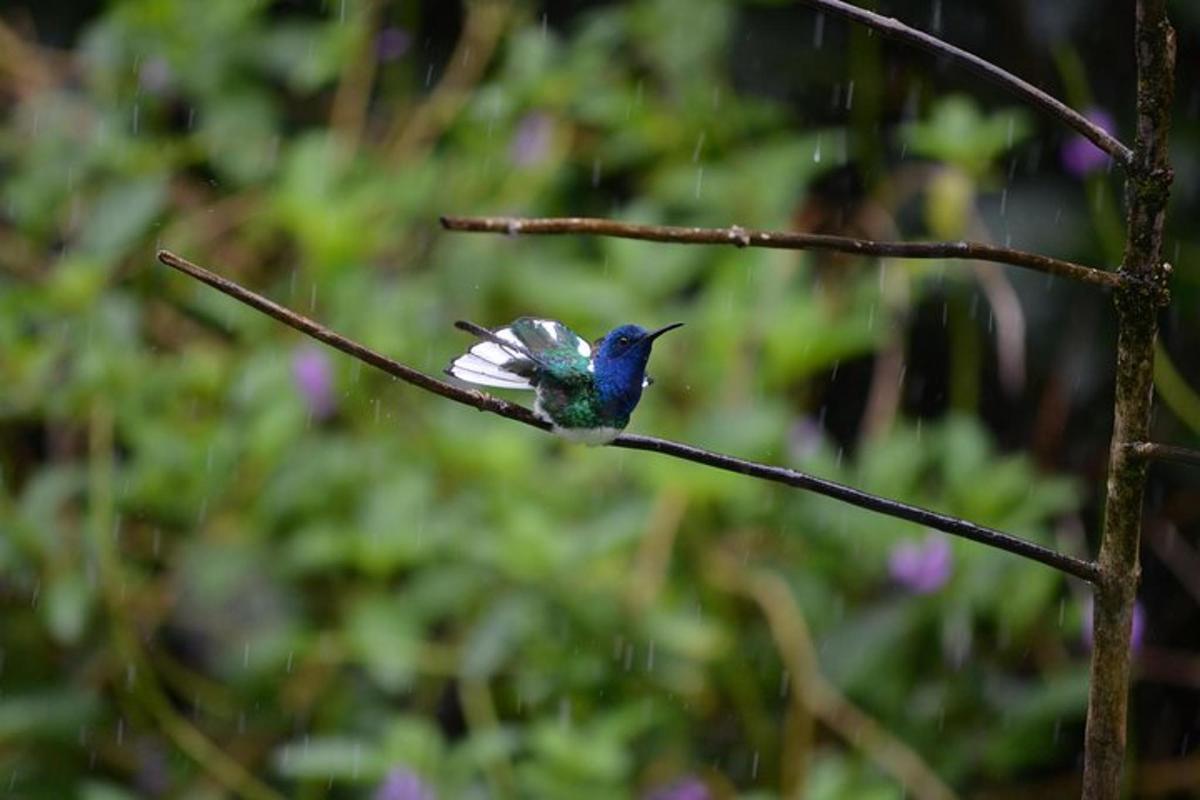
(586, 394)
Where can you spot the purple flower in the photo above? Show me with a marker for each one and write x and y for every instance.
(921, 567)
(1135, 636)
(403, 784)
(392, 43)
(531, 142)
(1079, 156)
(153, 775)
(155, 75)
(805, 439)
(689, 788)
(313, 375)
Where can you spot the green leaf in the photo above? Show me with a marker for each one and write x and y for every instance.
(66, 605)
(382, 636)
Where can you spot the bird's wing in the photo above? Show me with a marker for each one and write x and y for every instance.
(499, 359)
(556, 349)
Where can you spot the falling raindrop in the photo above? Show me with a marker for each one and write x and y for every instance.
(819, 32)
(564, 711)
(595, 172)
(699, 146)
(699, 181)
(650, 656)
(817, 151)
(936, 22)
(849, 95)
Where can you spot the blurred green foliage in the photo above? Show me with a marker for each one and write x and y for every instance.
(189, 547)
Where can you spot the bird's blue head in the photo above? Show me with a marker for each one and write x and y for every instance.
(620, 364)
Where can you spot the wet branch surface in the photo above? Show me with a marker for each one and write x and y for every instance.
(1143, 292)
(782, 240)
(891, 27)
(1070, 565)
(1153, 451)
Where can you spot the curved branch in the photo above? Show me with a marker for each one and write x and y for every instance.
(772, 594)
(889, 26)
(486, 402)
(782, 240)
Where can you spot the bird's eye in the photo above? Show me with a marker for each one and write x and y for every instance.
(623, 340)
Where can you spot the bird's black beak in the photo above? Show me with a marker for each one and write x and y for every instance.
(652, 335)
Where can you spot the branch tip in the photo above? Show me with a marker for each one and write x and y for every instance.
(890, 26)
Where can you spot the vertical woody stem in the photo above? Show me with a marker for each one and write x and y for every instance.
(1137, 302)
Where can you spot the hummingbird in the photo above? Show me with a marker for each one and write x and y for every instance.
(585, 394)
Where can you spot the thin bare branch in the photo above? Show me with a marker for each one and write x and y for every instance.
(782, 240)
(1153, 451)
(889, 26)
(486, 402)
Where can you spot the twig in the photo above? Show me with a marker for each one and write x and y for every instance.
(1153, 451)
(485, 402)
(145, 687)
(892, 27)
(482, 29)
(1138, 302)
(349, 112)
(789, 629)
(783, 240)
(25, 64)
